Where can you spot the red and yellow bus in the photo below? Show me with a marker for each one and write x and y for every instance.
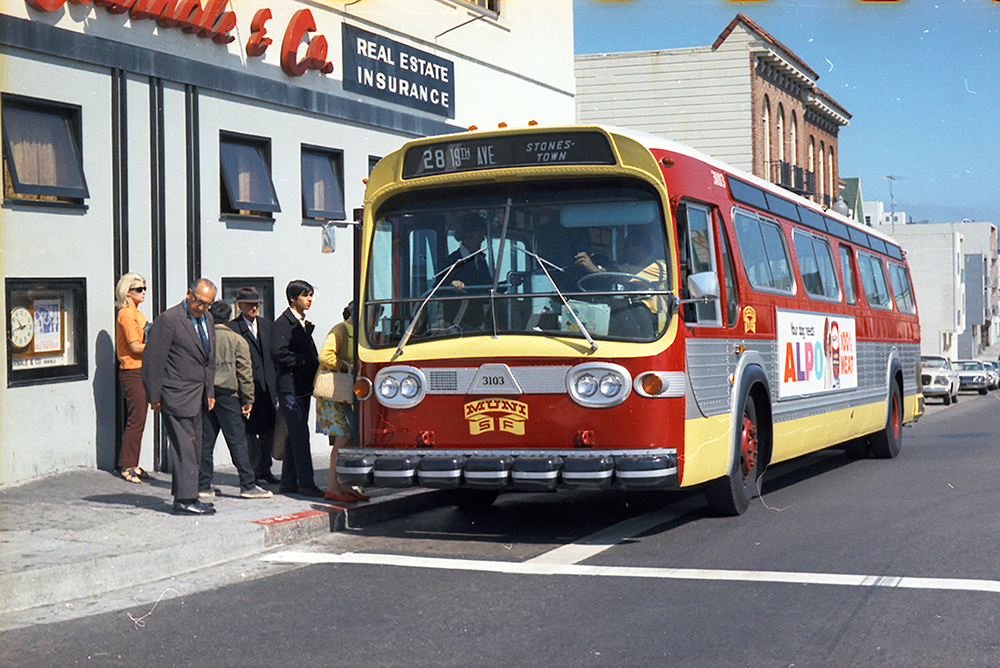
(594, 308)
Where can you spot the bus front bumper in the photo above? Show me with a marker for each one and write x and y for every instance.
(507, 469)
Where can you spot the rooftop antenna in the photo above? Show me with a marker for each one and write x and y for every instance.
(892, 202)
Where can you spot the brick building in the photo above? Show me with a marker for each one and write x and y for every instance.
(747, 99)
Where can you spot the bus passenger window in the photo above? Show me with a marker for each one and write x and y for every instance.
(847, 270)
(901, 288)
(762, 248)
(732, 305)
(873, 280)
(816, 266)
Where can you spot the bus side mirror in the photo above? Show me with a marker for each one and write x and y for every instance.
(703, 286)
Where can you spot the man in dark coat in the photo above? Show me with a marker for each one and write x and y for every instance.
(178, 374)
(296, 361)
(260, 425)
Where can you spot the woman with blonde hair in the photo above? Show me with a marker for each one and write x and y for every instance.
(130, 341)
(334, 418)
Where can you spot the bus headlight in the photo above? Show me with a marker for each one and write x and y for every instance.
(388, 388)
(611, 385)
(409, 387)
(586, 385)
(598, 384)
(400, 386)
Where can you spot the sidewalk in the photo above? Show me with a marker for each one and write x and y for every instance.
(87, 532)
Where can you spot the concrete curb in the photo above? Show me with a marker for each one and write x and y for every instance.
(157, 545)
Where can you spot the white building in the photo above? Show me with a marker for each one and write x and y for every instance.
(217, 144)
(937, 267)
(875, 214)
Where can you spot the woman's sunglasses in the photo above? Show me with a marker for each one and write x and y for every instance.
(141, 288)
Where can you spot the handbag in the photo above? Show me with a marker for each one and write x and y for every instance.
(333, 386)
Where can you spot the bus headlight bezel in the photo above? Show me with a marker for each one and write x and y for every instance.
(400, 386)
(598, 384)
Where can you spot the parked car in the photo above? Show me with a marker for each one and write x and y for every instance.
(994, 373)
(939, 378)
(973, 376)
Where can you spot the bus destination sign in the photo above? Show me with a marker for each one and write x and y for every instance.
(527, 150)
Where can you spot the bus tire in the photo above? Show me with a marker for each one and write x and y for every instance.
(474, 500)
(887, 443)
(730, 495)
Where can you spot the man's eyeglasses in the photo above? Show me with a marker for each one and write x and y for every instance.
(200, 302)
(141, 288)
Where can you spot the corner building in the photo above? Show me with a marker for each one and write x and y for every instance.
(747, 100)
(215, 139)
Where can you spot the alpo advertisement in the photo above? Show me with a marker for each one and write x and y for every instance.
(816, 353)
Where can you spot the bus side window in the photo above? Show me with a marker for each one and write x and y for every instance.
(762, 247)
(873, 280)
(847, 270)
(816, 266)
(901, 288)
(732, 305)
(697, 256)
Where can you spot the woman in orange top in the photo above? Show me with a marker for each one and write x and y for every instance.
(130, 340)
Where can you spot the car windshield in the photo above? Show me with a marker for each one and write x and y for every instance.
(578, 259)
(934, 362)
(970, 366)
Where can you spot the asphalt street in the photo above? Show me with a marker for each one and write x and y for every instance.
(839, 562)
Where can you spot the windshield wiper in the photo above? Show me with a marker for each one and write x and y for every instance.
(541, 263)
(416, 316)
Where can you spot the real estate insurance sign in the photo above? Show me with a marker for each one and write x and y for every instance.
(816, 353)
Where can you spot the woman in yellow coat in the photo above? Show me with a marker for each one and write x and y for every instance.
(335, 418)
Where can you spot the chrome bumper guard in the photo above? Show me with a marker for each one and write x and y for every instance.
(523, 471)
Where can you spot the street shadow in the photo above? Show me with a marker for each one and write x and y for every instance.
(132, 500)
(104, 389)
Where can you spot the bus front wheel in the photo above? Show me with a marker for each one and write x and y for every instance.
(731, 494)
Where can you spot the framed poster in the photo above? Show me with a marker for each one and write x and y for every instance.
(46, 330)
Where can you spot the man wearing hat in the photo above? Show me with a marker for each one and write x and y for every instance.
(260, 424)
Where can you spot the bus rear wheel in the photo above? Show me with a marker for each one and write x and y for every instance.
(887, 443)
(731, 494)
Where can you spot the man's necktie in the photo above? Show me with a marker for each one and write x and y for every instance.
(204, 335)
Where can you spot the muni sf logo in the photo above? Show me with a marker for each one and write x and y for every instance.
(488, 415)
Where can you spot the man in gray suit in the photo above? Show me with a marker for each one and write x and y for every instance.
(178, 373)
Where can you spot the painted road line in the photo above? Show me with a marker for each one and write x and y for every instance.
(537, 568)
(598, 542)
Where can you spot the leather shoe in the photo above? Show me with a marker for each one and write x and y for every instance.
(311, 490)
(288, 489)
(194, 508)
(268, 478)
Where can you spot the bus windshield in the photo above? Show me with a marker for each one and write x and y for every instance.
(568, 258)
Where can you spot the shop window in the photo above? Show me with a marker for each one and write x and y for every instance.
(247, 188)
(42, 151)
(491, 7)
(322, 184)
(372, 161)
(265, 288)
(46, 330)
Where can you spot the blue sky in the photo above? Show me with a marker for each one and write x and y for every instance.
(920, 78)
